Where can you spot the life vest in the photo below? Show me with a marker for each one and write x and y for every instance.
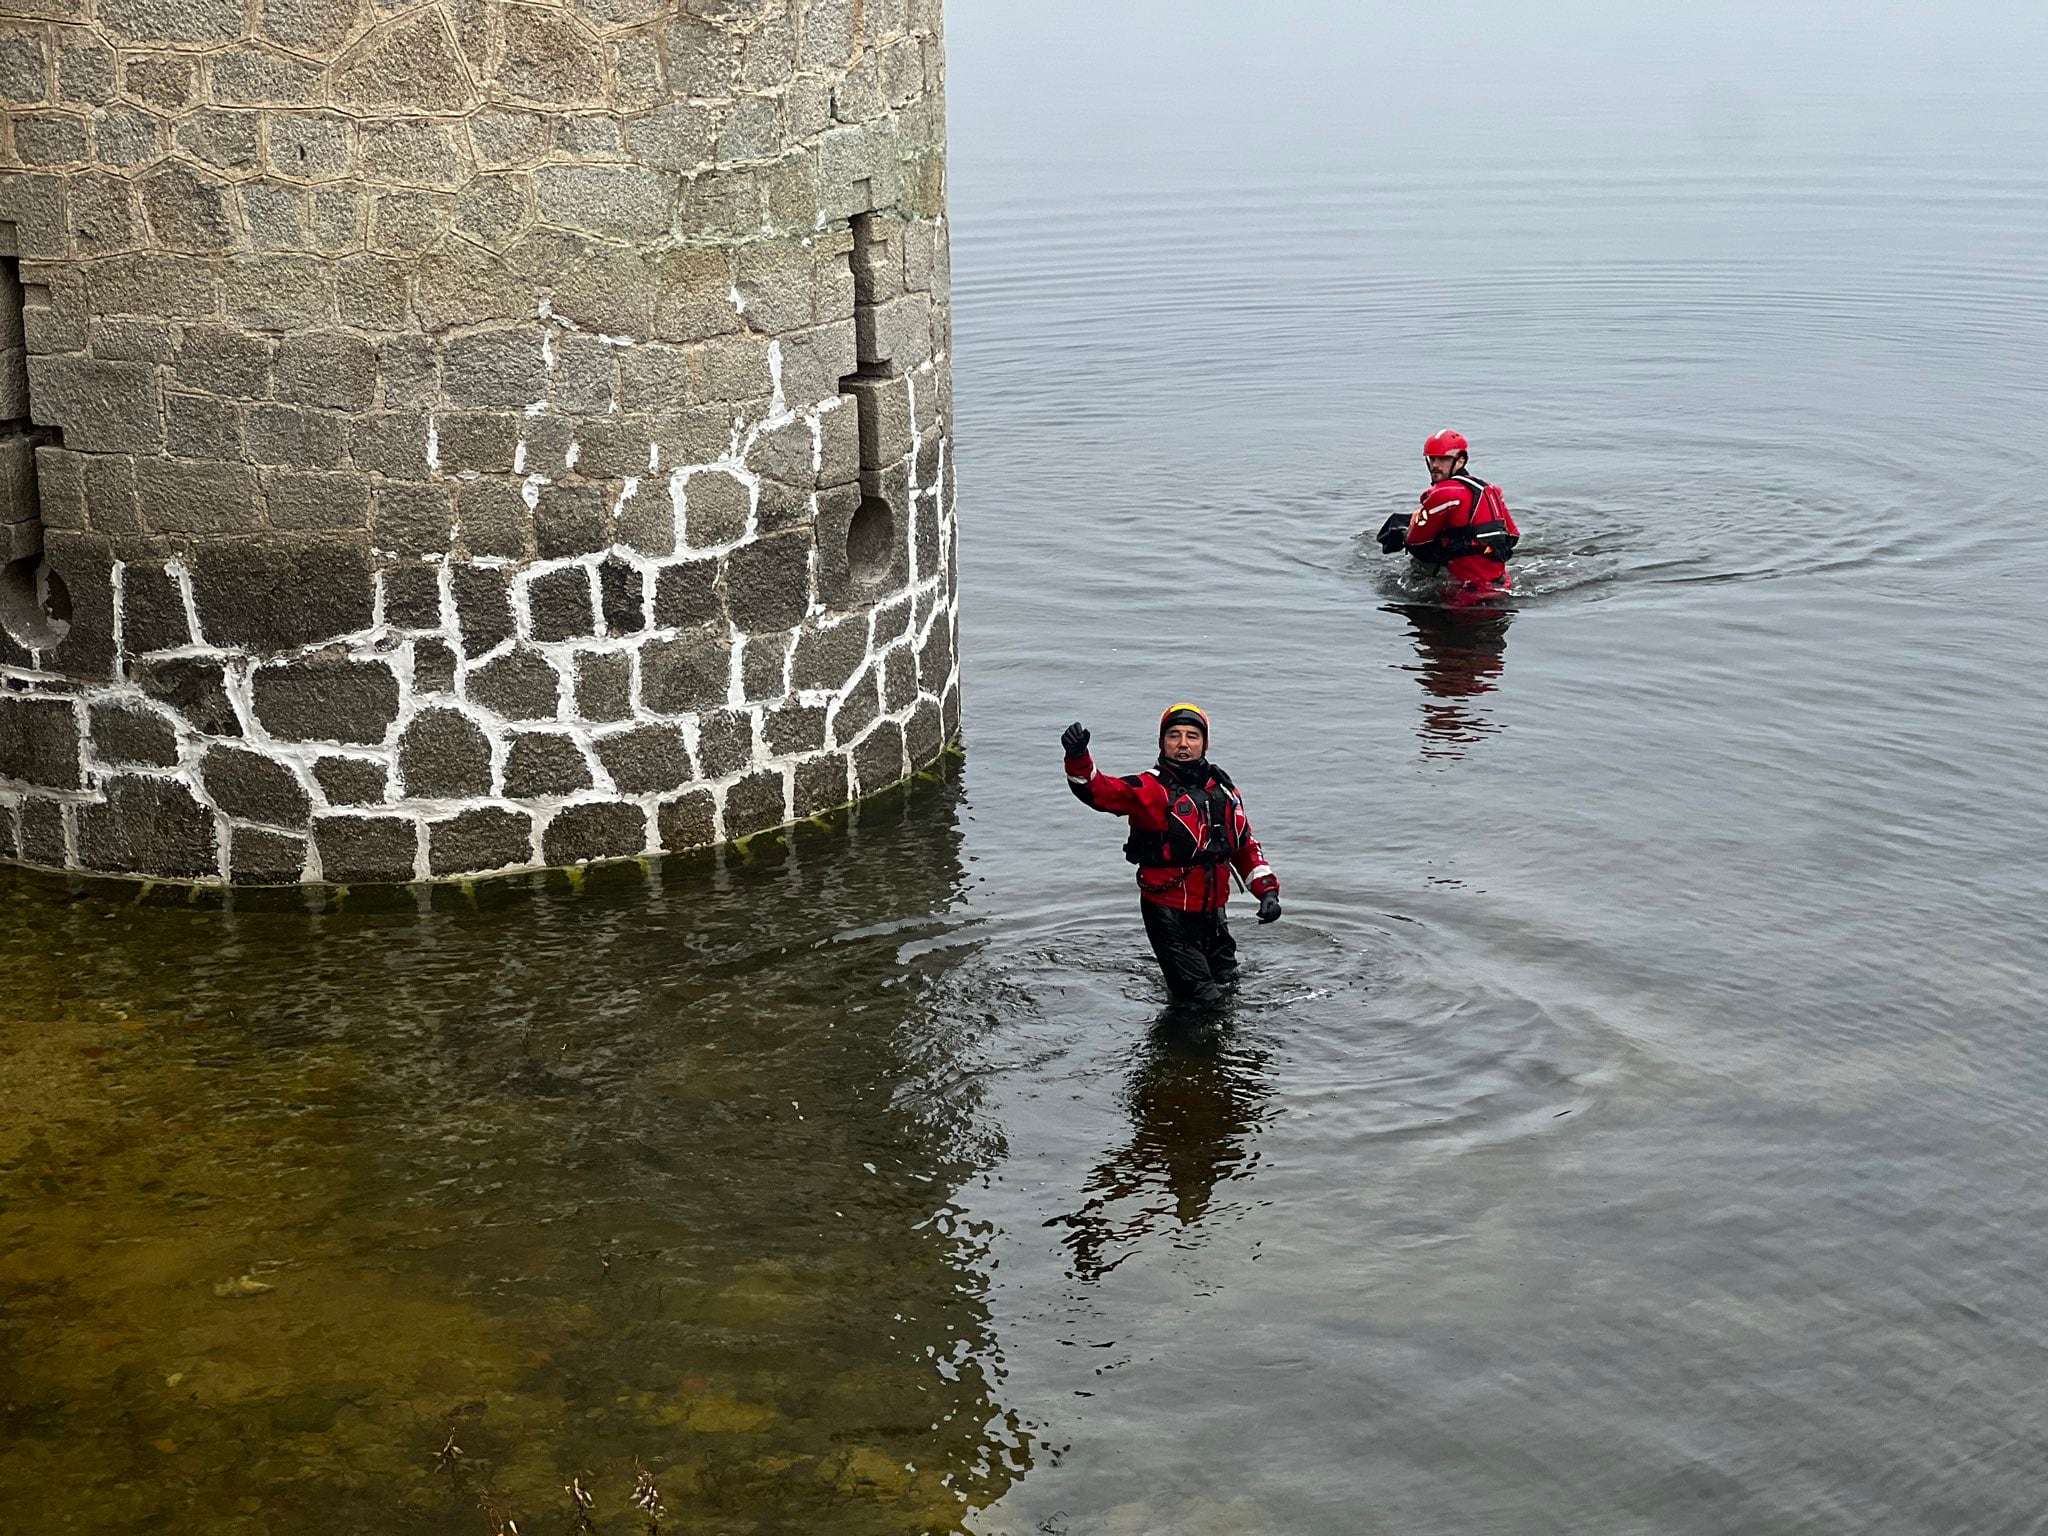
(1489, 529)
(1202, 824)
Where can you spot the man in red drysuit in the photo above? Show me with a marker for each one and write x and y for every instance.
(1463, 526)
(1187, 823)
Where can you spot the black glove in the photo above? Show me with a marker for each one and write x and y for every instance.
(1075, 739)
(1393, 534)
(1269, 907)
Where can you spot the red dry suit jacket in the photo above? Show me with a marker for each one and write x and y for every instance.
(1448, 506)
(1149, 801)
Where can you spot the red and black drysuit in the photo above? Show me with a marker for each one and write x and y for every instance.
(1187, 823)
(1464, 527)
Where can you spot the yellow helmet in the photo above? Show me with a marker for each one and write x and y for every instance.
(1185, 714)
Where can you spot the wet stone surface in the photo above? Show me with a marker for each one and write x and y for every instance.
(377, 849)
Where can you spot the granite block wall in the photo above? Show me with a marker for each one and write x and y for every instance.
(457, 436)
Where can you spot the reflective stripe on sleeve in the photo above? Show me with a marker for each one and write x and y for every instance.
(1259, 872)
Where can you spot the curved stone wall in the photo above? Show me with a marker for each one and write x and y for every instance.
(459, 436)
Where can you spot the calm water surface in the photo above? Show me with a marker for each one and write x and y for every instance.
(1634, 1125)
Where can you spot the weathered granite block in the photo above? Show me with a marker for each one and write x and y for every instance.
(935, 658)
(821, 783)
(686, 595)
(540, 764)
(495, 521)
(899, 680)
(201, 427)
(39, 742)
(368, 850)
(628, 203)
(793, 728)
(483, 608)
(204, 497)
(148, 826)
(103, 407)
(43, 839)
(195, 687)
(689, 673)
(481, 840)
(413, 520)
(276, 593)
(486, 442)
(768, 580)
(434, 664)
(826, 659)
(622, 596)
(689, 820)
(606, 829)
(756, 803)
(350, 780)
(764, 667)
(878, 759)
(604, 685)
(924, 734)
(503, 368)
(519, 685)
(259, 856)
(226, 362)
(715, 509)
(645, 760)
(560, 605)
(725, 742)
(444, 754)
(412, 596)
(335, 369)
(858, 710)
(787, 453)
(570, 519)
(327, 698)
(152, 611)
(252, 787)
(408, 65)
(389, 443)
(891, 621)
(132, 735)
(85, 564)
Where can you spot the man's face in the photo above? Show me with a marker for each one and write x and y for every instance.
(1440, 466)
(1182, 743)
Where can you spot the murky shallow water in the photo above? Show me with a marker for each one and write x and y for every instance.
(1634, 1124)
(656, 1171)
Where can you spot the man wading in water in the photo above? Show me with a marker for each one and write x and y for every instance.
(1463, 526)
(1187, 823)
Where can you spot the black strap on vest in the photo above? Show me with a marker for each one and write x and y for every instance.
(1476, 538)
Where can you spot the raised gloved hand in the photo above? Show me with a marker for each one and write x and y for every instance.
(1075, 739)
(1269, 907)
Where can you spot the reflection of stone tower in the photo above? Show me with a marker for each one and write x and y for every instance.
(488, 435)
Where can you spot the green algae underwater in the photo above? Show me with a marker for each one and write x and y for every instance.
(479, 1208)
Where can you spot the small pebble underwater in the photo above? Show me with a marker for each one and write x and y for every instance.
(1634, 1122)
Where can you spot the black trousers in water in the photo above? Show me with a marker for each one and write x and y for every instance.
(1194, 949)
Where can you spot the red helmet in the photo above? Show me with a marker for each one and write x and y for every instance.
(1441, 445)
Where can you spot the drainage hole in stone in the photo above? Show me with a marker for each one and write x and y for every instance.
(35, 608)
(871, 542)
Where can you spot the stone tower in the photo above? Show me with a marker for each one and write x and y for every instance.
(449, 436)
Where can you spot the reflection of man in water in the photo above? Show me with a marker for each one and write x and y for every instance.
(1462, 652)
(1196, 1101)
